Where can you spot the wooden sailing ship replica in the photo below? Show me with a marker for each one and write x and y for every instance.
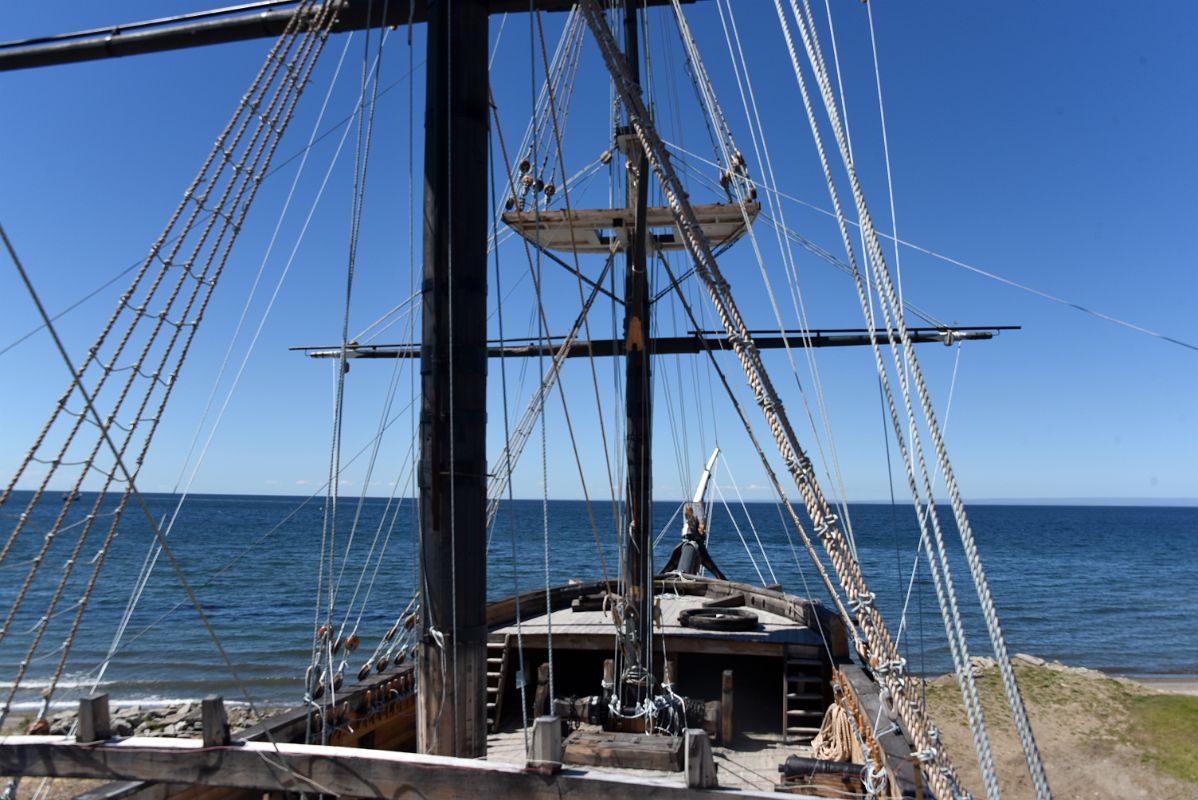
(660, 681)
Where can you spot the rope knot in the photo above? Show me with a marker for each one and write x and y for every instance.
(861, 601)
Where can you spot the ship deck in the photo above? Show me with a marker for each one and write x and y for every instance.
(595, 629)
(751, 764)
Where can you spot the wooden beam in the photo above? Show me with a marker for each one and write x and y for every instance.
(309, 768)
(452, 477)
(618, 750)
(660, 345)
(226, 25)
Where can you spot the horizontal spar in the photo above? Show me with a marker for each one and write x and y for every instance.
(663, 346)
(233, 24)
(345, 771)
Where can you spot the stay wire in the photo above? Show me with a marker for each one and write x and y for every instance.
(77, 382)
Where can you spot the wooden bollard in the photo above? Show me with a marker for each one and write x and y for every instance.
(726, 709)
(546, 753)
(540, 703)
(94, 722)
(215, 722)
(700, 765)
(671, 671)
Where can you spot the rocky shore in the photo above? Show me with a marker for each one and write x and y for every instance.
(176, 719)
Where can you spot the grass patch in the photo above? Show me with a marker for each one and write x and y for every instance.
(1167, 728)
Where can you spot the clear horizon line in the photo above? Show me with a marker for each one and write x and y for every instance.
(1162, 502)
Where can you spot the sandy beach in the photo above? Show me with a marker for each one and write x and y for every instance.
(1183, 684)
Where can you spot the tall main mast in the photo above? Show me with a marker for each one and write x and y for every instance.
(638, 561)
(453, 370)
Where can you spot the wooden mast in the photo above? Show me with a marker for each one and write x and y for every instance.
(453, 464)
(638, 393)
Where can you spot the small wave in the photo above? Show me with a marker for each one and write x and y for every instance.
(144, 702)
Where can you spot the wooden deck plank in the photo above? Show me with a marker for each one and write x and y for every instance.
(750, 764)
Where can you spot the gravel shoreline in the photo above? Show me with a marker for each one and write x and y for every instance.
(175, 719)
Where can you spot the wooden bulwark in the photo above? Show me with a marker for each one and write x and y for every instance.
(315, 768)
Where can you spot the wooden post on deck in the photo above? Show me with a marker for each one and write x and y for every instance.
(700, 765)
(214, 722)
(540, 702)
(726, 709)
(94, 724)
(546, 754)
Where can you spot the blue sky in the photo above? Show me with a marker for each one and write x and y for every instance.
(1050, 144)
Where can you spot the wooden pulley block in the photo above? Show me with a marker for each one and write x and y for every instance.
(382, 664)
(363, 672)
(399, 657)
(337, 644)
(351, 644)
(337, 681)
(391, 632)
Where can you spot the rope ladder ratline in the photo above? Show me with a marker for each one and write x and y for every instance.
(899, 686)
(267, 113)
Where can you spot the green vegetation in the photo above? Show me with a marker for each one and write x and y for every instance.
(1166, 728)
(1114, 726)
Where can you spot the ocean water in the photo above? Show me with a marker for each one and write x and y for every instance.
(1110, 588)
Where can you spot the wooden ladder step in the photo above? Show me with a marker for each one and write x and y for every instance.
(802, 731)
(499, 656)
(795, 712)
(809, 661)
(804, 696)
(804, 679)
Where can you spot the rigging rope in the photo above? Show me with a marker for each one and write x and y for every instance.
(890, 302)
(265, 109)
(944, 590)
(898, 685)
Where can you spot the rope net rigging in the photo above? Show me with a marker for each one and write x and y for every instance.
(132, 367)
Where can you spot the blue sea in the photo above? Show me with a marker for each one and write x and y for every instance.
(1111, 588)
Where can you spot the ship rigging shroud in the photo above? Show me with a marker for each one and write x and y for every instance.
(465, 501)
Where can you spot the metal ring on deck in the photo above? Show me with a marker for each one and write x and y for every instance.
(718, 619)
